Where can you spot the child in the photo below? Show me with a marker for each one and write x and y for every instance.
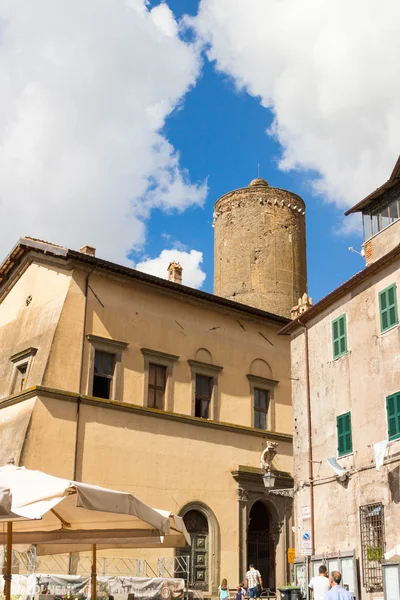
(223, 590)
(240, 592)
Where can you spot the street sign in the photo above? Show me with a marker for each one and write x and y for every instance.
(291, 553)
(306, 543)
(306, 512)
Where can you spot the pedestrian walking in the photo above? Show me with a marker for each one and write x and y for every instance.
(223, 590)
(240, 592)
(337, 592)
(253, 582)
(320, 584)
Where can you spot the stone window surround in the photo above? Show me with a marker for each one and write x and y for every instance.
(19, 359)
(209, 370)
(114, 347)
(156, 357)
(269, 385)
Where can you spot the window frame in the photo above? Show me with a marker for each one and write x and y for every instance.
(25, 357)
(208, 370)
(204, 399)
(162, 359)
(109, 346)
(346, 450)
(267, 385)
(338, 339)
(395, 397)
(103, 374)
(385, 292)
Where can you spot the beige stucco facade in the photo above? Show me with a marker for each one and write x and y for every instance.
(358, 382)
(57, 308)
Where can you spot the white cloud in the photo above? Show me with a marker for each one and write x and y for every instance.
(192, 275)
(330, 73)
(85, 88)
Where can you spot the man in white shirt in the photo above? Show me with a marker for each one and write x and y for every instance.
(253, 582)
(320, 585)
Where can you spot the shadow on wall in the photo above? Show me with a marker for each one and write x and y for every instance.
(394, 484)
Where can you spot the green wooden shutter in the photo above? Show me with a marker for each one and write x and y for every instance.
(388, 307)
(339, 336)
(344, 434)
(393, 416)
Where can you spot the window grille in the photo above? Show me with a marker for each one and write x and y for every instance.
(372, 526)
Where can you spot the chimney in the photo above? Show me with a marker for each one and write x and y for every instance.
(90, 250)
(175, 272)
(304, 303)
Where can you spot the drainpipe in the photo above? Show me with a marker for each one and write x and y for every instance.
(309, 439)
(81, 374)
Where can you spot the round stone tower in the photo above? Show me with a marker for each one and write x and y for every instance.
(260, 247)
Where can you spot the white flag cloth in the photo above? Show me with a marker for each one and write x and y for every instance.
(379, 451)
(333, 463)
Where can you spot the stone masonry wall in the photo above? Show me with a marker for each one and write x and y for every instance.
(260, 247)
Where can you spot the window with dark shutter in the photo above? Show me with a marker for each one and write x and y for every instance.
(393, 416)
(261, 400)
(339, 336)
(203, 396)
(157, 383)
(388, 307)
(344, 435)
(104, 364)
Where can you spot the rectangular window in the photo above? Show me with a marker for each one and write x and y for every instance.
(204, 386)
(344, 436)
(20, 374)
(157, 383)
(367, 223)
(393, 211)
(260, 408)
(388, 307)
(393, 416)
(104, 364)
(372, 526)
(339, 336)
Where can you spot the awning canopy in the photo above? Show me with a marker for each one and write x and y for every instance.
(74, 511)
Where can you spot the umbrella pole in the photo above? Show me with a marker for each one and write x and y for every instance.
(94, 574)
(7, 571)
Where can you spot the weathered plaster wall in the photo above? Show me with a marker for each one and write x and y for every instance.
(381, 243)
(260, 248)
(144, 318)
(358, 382)
(32, 324)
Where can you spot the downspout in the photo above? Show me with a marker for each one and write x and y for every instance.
(81, 374)
(309, 439)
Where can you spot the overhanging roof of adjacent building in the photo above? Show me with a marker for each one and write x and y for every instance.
(371, 198)
(341, 291)
(27, 244)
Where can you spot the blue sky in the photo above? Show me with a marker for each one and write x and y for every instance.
(122, 122)
(221, 135)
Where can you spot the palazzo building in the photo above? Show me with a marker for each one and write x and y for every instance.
(346, 409)
(118, 378)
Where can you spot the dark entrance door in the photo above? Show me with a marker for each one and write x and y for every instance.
(197, 526)
(260, 550)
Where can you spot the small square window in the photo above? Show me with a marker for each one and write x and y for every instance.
(104, 364)
(204, 387)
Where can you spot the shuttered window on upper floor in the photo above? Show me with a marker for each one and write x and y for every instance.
(393, 416)
(388, 307)
(339, 336)
(344, 434)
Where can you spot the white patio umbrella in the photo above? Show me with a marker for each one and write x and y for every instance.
(73, 511)
(178, 537)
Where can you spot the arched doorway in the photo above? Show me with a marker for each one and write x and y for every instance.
(260, 545)
(197, 526)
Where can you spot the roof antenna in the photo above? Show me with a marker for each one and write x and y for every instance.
(258, 170)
